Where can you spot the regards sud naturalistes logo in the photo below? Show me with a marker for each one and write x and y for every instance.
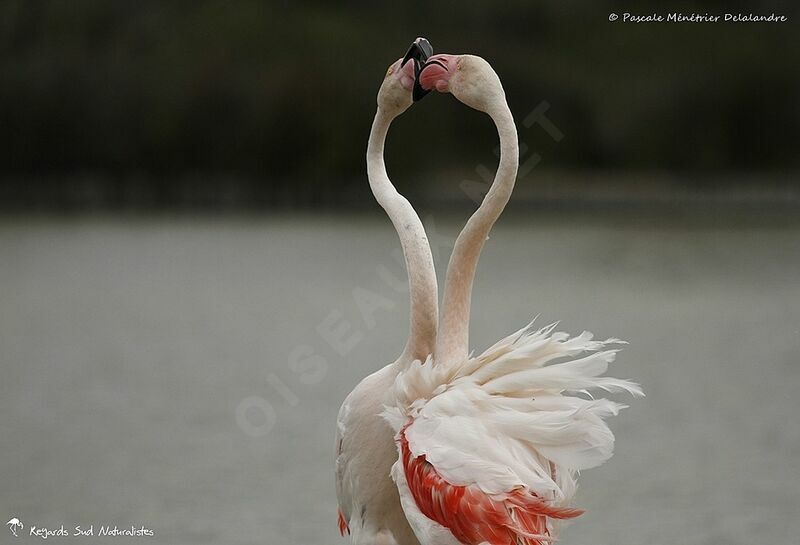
(17, 528)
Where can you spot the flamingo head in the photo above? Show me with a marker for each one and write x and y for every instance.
(470, 79)
(401, 86)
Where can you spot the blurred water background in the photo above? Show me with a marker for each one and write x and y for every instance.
(185, 217)
(130, 345)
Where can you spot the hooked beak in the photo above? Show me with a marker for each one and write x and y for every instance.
(419, 52)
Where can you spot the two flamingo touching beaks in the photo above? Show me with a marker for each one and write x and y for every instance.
(442, 448)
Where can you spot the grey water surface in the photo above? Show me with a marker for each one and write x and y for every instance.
(185, 374)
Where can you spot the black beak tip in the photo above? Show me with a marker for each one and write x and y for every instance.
(420, 50)
(418, 93)
(425, 46)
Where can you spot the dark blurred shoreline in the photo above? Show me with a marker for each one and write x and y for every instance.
(768, 197)
(269, 104)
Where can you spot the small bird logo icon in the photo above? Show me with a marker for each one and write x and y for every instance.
(14, 524)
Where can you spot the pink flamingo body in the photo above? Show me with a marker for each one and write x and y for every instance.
(440, 448)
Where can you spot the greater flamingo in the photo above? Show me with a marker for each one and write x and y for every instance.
(440, 448)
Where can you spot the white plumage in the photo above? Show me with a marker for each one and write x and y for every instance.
(497, 420)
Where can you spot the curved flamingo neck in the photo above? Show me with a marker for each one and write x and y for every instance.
(416, 249)
(453, 340)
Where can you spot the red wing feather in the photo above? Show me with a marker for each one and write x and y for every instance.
(473, 517)
(344, 528)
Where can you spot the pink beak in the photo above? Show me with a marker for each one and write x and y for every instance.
(437, 72)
